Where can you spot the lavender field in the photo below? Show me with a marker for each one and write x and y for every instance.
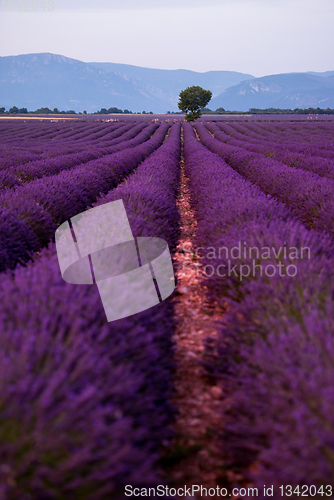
(88, 406)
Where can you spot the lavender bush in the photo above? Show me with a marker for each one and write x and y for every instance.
(274, 354)
(86, 404)
(287, 153)
(45, 203)
(308, 195)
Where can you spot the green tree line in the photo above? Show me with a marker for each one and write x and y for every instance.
(204, 111)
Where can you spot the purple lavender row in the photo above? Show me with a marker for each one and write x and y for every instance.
(14, 128)
(72, 134)
(274, 357)
(11, 156)
(314, 135)
(94, 127)
(19, 133)
(261, 132)
(85, 130)
(75, 133)
(270, 147)
(25, 130)
(26, 172)
(308, 195)
(104, 134)
(283, 128)
(10, 145)
(268, 131)
(152, 190)
(301, 128)
(89, 133)
(90, 139)
(319, 165)
(88, 403)
(17, 176)
(39, 150)
(123, 133)
(34, 131)
(20, 155)
(113, 132)
(31, 213)
(249, 207)
(318, 138)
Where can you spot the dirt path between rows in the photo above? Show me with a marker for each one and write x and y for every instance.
(195, 457)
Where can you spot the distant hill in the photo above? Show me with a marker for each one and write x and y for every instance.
(50, 80)
(167, 84)
(288, 90)
(324, 74)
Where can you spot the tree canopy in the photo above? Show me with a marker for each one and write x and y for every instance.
(193, 100)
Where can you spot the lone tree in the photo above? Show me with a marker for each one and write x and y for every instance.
(192, 101)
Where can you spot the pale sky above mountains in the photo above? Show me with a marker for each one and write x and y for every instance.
(260, 37)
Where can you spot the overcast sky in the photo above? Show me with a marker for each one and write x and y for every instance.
(259, 37)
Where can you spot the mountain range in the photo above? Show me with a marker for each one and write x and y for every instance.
(284, 91)
(51, 80)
